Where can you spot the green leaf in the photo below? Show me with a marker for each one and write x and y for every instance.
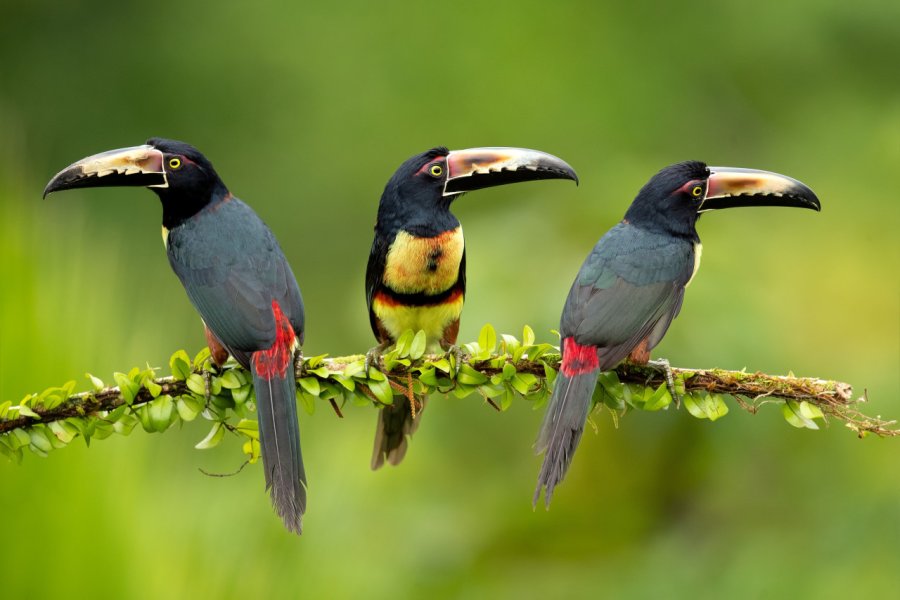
(196, 384)
(692, 404)
(507, 399)
(40, 443)
(63, 431)
(382, 390)
(403, 343)
(248, 427)
(212, 438)
(520, 383)
(19, 438)
(127, 387)
(429, 377)
(180, 365)
(469, 376)
(154, 388)
(202, 357)
(241, 394)
(417, 346)
(160, 412)
(307, 401)
(703, 405)
(509, 371)
(188, 407)
(527, 336)
(310, 385)
(659, 399)
(794, 414)
(442, 364)
(96, 382)
(462, 390)
(251, 449)
(230, 380)
(487, 339)
(810, 411)
(24, 411)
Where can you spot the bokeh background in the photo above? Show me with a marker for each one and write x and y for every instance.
(306, 109)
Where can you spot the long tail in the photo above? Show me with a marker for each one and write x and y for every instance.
(395, 425)
(566, 415)
(279, 432)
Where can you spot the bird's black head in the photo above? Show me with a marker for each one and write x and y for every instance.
(414, 199)
(670, 201)
(181, 176)
(674, 198)
(192, 181)
(417, 198)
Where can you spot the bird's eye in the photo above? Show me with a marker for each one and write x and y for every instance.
(697, 191)
(436, 170)
(174, 163)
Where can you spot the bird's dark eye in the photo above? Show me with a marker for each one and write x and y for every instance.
(174, 163)
(697, 191)
(436, 170)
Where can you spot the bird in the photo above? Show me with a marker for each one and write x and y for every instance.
(416, 273)
(238, 279)
(631, 286)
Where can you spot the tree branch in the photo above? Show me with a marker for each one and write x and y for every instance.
(495, 371)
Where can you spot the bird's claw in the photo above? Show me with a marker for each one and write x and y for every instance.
(663, 365)
(458, 355)
(373, 356)
(298, 363)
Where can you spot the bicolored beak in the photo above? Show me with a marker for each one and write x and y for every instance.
(730, 187)
(478, 168)
(135, 166)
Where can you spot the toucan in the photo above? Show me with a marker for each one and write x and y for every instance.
(632, 285)
(237, 278)
(416, 274)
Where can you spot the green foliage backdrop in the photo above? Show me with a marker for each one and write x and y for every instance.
(306, 111)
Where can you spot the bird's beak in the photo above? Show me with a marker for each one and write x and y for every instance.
(135, 166)
(478, 168)
(730, 187)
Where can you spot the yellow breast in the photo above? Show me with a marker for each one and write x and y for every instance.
(427, 265)
(433, 320)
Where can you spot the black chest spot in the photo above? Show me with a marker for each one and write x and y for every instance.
(434, 257)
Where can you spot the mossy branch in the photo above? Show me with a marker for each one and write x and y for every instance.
(496, 369)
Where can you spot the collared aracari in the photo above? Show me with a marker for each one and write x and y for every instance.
(416, 275)
(237, 278)
(632, 285)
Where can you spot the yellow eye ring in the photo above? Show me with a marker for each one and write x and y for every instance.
(436, 170)
(174, 163)
(697, 191)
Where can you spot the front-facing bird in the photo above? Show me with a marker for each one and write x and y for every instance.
(237, 278)
(416, 275)
(632, 284)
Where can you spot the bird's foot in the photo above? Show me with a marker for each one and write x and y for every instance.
(298, 363)
(458, 355)
(373, 357)
(663, 365)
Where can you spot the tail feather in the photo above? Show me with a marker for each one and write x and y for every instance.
(395, 425)
(279, 440)
(562, 428)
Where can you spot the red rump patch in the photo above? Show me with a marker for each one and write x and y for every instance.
(577, 359)
(275, 360)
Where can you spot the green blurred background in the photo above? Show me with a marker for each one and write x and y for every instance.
(306, 110)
